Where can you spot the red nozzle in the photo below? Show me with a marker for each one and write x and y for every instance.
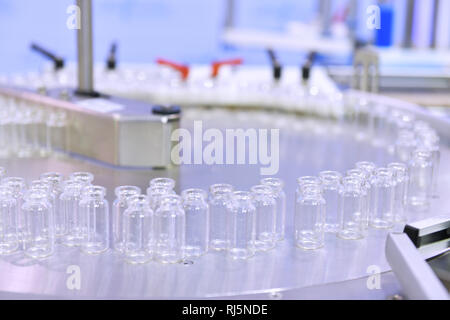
(216, 65)
(182, 69)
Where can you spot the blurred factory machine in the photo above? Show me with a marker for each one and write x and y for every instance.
(121, 122)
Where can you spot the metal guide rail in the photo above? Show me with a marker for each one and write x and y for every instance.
(112, 130)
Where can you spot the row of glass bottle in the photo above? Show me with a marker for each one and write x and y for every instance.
(244, 87)
(398, 131)
(159, 225)
(365, 196)
(29, 131)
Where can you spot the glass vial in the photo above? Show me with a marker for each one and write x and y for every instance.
(69, 206)
(405, 145)
(6, 134)
(331, 183)
(382, 199)
(196, 210)
(9, 236)
(430, 143)
(163, 182)
(85, 178)
(39, 238)
(120, 204)
(56, 127)
(400, 175)
(309, 218)
(364, 180)
(366, 166)
(420, 169)
(138, 230)
(95, 219)
(351, 215)
(54, 181)
(18, 188)
(280, 198)
(242, 235)
(219, 200)
(265, 205)
(155, 194)
(169, 230)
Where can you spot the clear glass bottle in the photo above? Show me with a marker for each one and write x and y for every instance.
(266, 206)
(364, 180)
(120, 204)
(351, 221)
(54, 180)
(405, 145)
(163, 182)
(382, 199)
(95, 220)
(280, 198)
(309, 218)
(69, 205)
(56, 126)
(219, 200)
(242, 229)
(18, 187)
(306, 182)
(378, 125)
(331, 183)
(170, 228)
(368, 167)
(420, 169)
(9, 235)
(6, 134)
(25, 132)
(44, 187)
(84, 177)
(39, 240)
(429, 141)
(400, 175)
(138, 230)
(155, 194)
(196, 210)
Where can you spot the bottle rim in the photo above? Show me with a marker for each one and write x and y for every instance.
(162, 181)
(193, 193)
(94, 191)
(242, 195)
(308, 180)
(330, 177)
(273, 182)
(82, 176)
(141, 199)
(126, 191)
(261, 190)
(157, 191)
(221, 188)
(16, 181)
(170, 198)
(54, 177)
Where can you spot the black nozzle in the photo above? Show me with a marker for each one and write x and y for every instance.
(306, 72)
(111, 62)
(58, 62)
(277, 68)
(272, 56)
(277, 71)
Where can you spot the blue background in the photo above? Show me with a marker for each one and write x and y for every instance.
(183, 30)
